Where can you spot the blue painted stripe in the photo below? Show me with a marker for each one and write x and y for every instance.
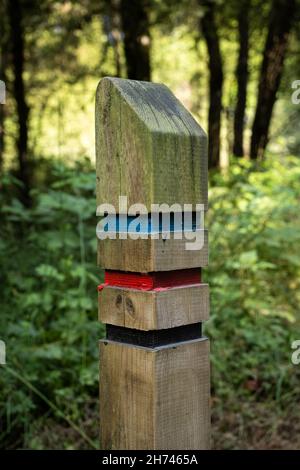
(146, 224)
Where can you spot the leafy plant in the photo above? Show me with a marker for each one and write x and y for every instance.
(48, 302)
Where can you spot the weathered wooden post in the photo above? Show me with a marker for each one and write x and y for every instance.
(154, 362)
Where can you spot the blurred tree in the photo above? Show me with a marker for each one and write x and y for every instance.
(135, 25)
(211, 36)
(60, 35)
(280, 24)
(15, 14)
(241, 77)
(113, 29)
(36, 32)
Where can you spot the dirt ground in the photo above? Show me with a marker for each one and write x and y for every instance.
(249, 426)
(256, 426)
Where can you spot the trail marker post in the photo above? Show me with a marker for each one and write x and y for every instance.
(154, 362)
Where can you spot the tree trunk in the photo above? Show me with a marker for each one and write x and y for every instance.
(242, 79)
(210, 33)
(113, 28)
(17, 48)
(281, 19)
(135, 23)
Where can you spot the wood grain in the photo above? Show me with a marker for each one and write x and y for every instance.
(155, 399)
(126, 397)
(154, 310)
(146, 255)
(150, 149)
(148, 146)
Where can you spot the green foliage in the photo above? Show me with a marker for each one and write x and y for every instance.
(49, 303)
(49, 300)
(254, 278)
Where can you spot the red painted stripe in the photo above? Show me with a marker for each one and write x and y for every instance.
(152, 281)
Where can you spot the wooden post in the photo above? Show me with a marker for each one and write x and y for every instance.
(154, 362)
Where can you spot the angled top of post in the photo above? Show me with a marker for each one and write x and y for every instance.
(148, 146)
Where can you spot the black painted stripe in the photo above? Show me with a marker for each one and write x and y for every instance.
(153, 338)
